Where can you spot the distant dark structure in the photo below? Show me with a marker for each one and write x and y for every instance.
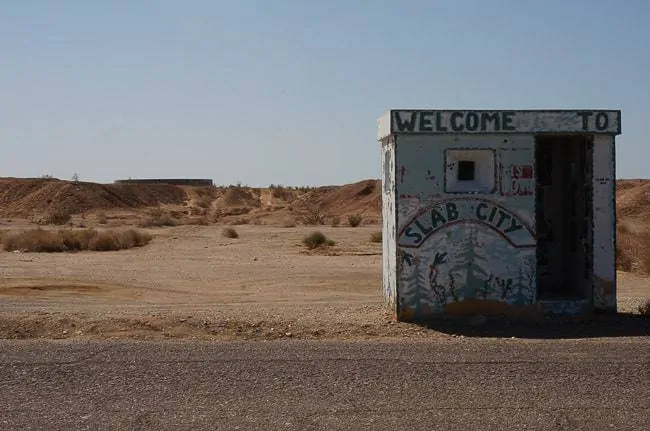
(199, 182)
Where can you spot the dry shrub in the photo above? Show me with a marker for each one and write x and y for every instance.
(317, 239)
(46, 241)
(644, 309)
(336, 221)
(313, 216)
(376, 236)
(159, 218)
(355, 220)
(229, 232)
(37, 240)
(112, 241)
(57, 217)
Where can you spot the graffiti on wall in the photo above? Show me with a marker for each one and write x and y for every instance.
(465, 249)
(518, 180)
(461, 250)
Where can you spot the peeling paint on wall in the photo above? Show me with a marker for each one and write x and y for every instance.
(388, 219)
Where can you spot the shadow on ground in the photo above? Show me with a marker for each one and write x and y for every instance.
(596, 326)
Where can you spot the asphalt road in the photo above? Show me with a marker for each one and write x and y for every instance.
(462, 384)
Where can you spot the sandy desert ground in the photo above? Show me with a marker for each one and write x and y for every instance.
(190, 281)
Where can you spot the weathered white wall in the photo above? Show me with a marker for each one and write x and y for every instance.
(388, 222)
(464, 251)
(604, 207)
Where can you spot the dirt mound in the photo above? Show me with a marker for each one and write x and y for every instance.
(633, 228)
(363, 198)
(240, 196)
(633, 198)
(29, 197)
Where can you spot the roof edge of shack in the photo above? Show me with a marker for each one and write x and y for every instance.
(499, 121)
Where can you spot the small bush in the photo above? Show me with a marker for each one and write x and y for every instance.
(644, 309)
(317, 239)
(44, 241)
(58, 218)
(355, 220)
(336, 221)
(314, 216)
(36, 240)
(376, 236)
(159, 218)
(105, 241)
(229, 233)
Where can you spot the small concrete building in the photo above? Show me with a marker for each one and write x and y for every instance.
(498, 211)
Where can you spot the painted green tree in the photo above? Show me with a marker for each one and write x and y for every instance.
(470, 261)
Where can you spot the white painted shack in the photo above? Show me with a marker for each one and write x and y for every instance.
(498, 211)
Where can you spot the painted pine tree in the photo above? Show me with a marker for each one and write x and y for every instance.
(470, 260)
(415, 294)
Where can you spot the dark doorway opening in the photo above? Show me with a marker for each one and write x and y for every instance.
(564, 216)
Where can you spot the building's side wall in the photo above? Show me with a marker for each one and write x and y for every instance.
(388, 223)
(604, 208)
(464, 252)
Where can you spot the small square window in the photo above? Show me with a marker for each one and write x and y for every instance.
(469, 170)
(466, 170)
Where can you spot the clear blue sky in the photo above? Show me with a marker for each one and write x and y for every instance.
(289, 92)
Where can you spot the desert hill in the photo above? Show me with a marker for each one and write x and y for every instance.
(26, 198)
(34, 198)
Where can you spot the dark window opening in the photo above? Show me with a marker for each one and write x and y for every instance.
(466, 170)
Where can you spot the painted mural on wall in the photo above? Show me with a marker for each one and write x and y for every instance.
(464, 249)
(458, 249)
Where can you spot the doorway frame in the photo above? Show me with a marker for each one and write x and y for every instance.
(585, 239)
